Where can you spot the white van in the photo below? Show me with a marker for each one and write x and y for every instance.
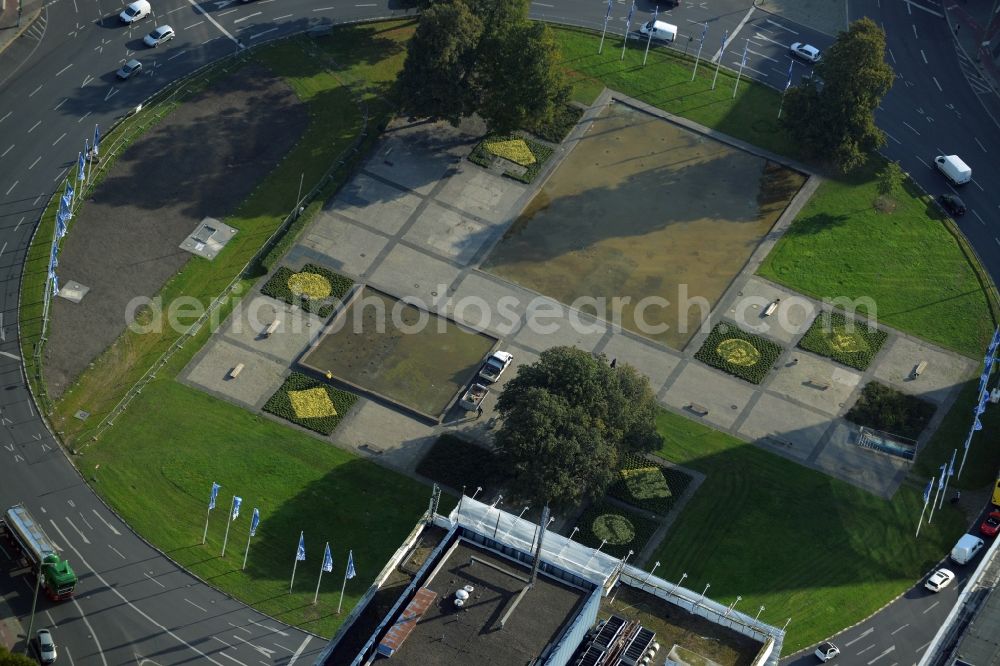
(660, 30)
(953, 168)
(136, 11)
(966, 548)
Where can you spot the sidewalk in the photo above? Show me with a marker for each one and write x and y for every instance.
(9, 28)
(976, 26)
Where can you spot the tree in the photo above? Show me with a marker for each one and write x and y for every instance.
(483, 56)
(566, 421)
(12, 659)
(890, 178)
(832, 115)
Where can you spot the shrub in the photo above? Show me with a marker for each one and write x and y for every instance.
(889, 410)
(741, 354)
(456, 462)
(563, 121)
(623, 529)
(310, 278)
(482, 155)
(845, 340)
(298, 397)
(647, 485)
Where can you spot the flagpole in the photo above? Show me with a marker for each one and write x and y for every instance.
(321, 566)
(90, 164)
(649, 41)
(342, 588)
(921, 521)
(628, 28)
(229, 522)
(782, 103)
(697, 58)
(205, 534)
(743, 63)
(247, 553)
(722, 54)
(605, 30)
(951, 470)
(937, 491)
(293, 574)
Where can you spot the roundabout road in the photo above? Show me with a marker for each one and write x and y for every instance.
(133, 604)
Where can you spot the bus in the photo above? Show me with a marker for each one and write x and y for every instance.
(21, 532)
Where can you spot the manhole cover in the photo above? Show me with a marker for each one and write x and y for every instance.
(82, 415)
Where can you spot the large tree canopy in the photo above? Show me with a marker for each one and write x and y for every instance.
(832, 115)
(567, 419)
(482, 56)
(13, 659)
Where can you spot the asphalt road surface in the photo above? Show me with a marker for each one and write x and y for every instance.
(133, 605)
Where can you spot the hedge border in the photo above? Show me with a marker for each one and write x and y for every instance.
(279, 404)
(676, 480)
(542, 153)
(277, 287)
(816, 341)
(755, 374)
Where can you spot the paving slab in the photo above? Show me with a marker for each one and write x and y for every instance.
(489, 304)
(416, 155)
(408, 272)
(944, 369)
(724, 397)
(480, 193)
(448, 233)
(260, 378)
(374, 203)
(481, 429)
(351, 249)
(385, 434)
(654, 361)
(779, 423)
(248, 324)
(876, 472)
(786, 324)
(552, 324)
(795, 379)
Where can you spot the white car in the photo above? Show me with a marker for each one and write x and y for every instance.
(136, 11)
(826, 651)
(46, 647)
(939, 580)
(495, 365)
(805, 51)
(164, 33)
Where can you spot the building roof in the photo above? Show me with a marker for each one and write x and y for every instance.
(446, 634)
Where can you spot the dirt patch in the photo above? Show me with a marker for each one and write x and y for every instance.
(202, 160)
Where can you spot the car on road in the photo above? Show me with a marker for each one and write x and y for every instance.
(46, 646)
(826, 651)
(952, 204)
(991, 525)
(939, 580)
(136, 11)
(129, 69)
(805, 51)
(164, 33)
(495, 365)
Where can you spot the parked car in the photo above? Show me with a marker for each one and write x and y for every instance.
(473, 397)
(939, 580)
(991, 525)
(129, 69)
(46, 646)
(136, 11)
(952, 204)
(966, 548)
(164, 33)
(495, 365)
(805, 51)
(826, 651)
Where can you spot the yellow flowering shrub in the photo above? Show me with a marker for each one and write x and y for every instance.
(312, 403)
(515, 150)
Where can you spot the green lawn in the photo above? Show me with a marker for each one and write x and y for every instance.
(156, 467)
(793, 540)
(907, 262)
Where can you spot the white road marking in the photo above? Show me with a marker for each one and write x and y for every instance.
(896, 631)
(11, 188)
(298, 652)
(540, 4)
(250, 16)
(281, 18)
(259, 34)
(893, 138)
(2, 250)
(15, 229)
(32, 94)
(891, 55)
(117, 551)
(275, 644)
(976, 183)
(888, 650)
(8, 150)
(782, 27)
(264, 626)
(82, 535)
(239, 628)
(923, 647)
(914, 26)
(58, 177)
(56, 107)
(64, 69)
(223, 642)
(193, 25)
(761, 55)
(263, 651)
(106, 523)
(195, 605)
(862, 651)
(229, 12)
(177, 55)
(870, 630)
(923, 55)
(176, 10)
(911, 127)
(83, 116)
(931, 607)
(87, 80)
(6, 116)
(981, 220)
(324, 9)
(940, 89)
(34, 126)
(37, 160)
(732, 36)
(910, 3)
(979, 143)
(153, 579)
(223, 654)
(111, 93)
(59, 139)
(214, 22)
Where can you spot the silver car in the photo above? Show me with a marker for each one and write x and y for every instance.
(164, 33)
(46, 647)
(129, 69)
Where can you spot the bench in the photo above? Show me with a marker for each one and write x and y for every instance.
(919, 369)
(769, 310)
(235, 372)
(371, 448)
(819, 384)
(698, 409)
(271, 328)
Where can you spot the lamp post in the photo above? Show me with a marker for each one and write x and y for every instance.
(571, 534)
(707, 585)
(34, 600)
(624, 561)
(499, 513)
(478, 490)
(678, 584)
(759, 611)
(732, 605)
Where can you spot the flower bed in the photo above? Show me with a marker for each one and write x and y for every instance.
(623, 529)
(563, 121)
(845, 340)
(310, 403)
(646, 485)
(315, 289)
(508, 147)
(741, 354)
(456, 462)
(891, 411)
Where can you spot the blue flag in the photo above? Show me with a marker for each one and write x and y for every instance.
(215, 493)
(977, 425)
(97, 139)
(788, 83)
(628, 21)
(54, 258)
(927, 491)
(608, 14)
(743, 62)
(704, 31)
(55, 285)
(350, 573)
(254, 521)
(70, 192)
(60, 225)
(656, 12)
(327, 559)
(300, 554)
(944, 470)
(725, 36)
(236, 507)
(951, 464)
(79, 168)
(981, 407)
